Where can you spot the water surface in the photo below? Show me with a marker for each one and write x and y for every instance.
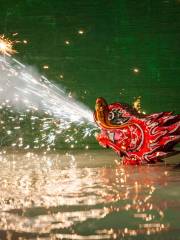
(87, 195)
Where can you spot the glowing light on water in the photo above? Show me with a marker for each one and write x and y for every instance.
(71, 194)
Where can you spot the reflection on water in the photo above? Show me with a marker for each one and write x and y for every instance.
(86, 196)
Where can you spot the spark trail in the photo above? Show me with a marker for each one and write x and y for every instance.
(23, 89)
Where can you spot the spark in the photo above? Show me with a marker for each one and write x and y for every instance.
(70, 95)
(136, 70)
(81, 32)
(14, 34)
(6, 46)
(45, 66)
(67, 42)
(49, 109)
(137, 104)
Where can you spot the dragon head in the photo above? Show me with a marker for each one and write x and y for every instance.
(107, 118)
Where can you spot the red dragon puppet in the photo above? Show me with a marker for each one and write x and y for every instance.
(136, 137)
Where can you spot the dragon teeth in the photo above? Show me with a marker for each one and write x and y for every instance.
(111, 136)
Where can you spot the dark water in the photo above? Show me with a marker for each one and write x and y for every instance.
(86, 195)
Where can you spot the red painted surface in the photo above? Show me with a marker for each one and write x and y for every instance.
(137, 138)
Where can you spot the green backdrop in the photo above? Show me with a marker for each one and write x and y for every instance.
(119, 36)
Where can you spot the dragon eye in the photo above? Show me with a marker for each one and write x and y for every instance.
(111, 116)
(119, 114)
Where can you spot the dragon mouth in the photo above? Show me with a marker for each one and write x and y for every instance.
(120, 121)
